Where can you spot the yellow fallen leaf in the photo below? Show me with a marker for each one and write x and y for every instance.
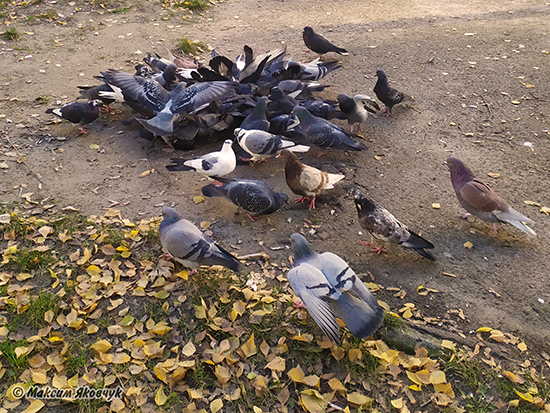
(117, 405)
(296, 374)
(216, 405)
(438, 377)
(468, 245)
(313, 401)
(198, 199)
(484, 330)
(183, 274)
(448, 344)
(525, 396)
(277, 364)
(522, 346)
(397, 403)
(94, 146)
(160, 396)
(358, 398)
(531, 203)
(102, 346)
(436, 206)
(546, 210)
(189, 349)
(514, 378)
(249, 348)
(336, 385)
(493, 175)
(34, 407)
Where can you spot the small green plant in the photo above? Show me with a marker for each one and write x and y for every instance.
(32, 259)
(42, 99)
(16, 364)
(120, 10)
(193, 5)
(11, 34)
(189, 47)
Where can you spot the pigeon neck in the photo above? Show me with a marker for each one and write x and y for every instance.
(301, 253)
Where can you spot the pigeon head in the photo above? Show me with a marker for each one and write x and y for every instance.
(381, 75)
(460, 173)
(345, 102)
(275, 94)
(169, 217)
(227, 144)
(280, 199)
(308, 30)
(300, 112)
(301, 247)
(362, 203)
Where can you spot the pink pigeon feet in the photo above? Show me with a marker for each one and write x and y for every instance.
(312, 204)
(167, 256)
(495, 228)
(465, 215)
(250, 216)
(318, 155)
(378, 250)
(386, 113)
(83, 130)
(303, 198)
(298, 305)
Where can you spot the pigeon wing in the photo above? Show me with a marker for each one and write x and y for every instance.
(147, 92)
(198, 95)
(315, 292)
(480, 196)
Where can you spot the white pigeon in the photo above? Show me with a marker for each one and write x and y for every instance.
(262, 145)
(330, 289)
(213, 164)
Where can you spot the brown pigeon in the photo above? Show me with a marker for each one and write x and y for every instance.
(306, 180)
(478, 199)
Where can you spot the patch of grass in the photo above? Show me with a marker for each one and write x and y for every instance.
(39, 306)
(200, 377)
(16, 364)
(42, 99)
(11, 34)
(189, 47)
(69, 222)
(154, 310)
(193, 5)
(30, 259)
(120, 10)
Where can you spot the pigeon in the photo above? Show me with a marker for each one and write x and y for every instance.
(79, 112)
(262, 145)
(306, 180)
(93, 93)
(214, 164)
(478, 199)
(283, 124)
(321, 132)
(354, 108)
(330, 289)
(255, 197)
(257, 119)
(279, 103)
(382, 225)
(316, 69)
(189, 246)
(319, 44)
(386, 94)
(167, 106)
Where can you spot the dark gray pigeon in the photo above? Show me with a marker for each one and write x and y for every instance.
(279, 103)
(255, 197)
(382, 225)
(189, 246)
(93, 93)
(257, 119)
(386, 94)
(323, 133)
(262, 145)
(79, 112)
(167, 106)
(355, 110)
(329, 289)
(480, 200)
(319, 44)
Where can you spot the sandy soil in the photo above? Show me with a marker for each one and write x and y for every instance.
(465, 64)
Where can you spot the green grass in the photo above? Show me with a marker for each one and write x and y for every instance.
(42, 99)
(16, 364)
(120, 10)
(189, 47)
(30, 260)
(11, 34)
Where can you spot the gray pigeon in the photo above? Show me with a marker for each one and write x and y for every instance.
(329, 289)
(189, 246)
(167, 106)
(355, 109)
(382, 225)
(255, 197)
(478, 199)
(323, 133)
(319, 44)
(262, 145)
(257, 119)
(79, 112)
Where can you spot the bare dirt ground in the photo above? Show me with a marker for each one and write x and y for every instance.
(479, 72)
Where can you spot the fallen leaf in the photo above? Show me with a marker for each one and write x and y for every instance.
(468, 245)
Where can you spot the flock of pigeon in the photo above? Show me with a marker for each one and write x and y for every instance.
(264, 104)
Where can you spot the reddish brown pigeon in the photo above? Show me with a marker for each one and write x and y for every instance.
(478, 199)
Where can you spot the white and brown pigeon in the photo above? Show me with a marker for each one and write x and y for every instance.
(305, 180)
(480, 200)
(330, 289)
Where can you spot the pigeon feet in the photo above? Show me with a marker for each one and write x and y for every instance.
(301, 199)
(378, 250)
(250, 216)
(312, 204)
(167, 256)
(386, 113)
(83, 130)
(298, 305)
(495, 228)
(318, 155)
(464, 215)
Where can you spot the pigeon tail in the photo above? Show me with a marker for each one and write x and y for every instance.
(360, 318)
(416, 241)
(424, 253)
(162, 124)
(212, 190)
(516, 219)
(298, 148)
(341, 51)
(178, 165)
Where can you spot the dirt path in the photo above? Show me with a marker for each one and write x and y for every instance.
(465, 65)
